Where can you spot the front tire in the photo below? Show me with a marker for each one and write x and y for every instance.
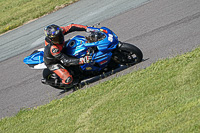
(127, 54)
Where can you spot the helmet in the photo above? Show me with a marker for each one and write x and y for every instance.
(54, 33)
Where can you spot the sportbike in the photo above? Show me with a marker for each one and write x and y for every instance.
(102, 44)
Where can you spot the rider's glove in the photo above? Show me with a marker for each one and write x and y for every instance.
(86, 59)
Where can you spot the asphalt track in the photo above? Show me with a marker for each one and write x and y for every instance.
(160, 28)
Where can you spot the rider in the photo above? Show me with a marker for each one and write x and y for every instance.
(54, 58)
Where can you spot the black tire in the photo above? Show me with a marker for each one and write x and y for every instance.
(47, 73)
(127, 54)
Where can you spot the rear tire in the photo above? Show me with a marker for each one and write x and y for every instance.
(127, 54)
(47, 73)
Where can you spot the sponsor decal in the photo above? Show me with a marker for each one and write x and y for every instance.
(88, 68)
(55, 50)
(103, 62)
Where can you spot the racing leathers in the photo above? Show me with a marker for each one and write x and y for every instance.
(54, 59)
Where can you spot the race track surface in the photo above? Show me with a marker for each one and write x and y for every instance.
(160, 28)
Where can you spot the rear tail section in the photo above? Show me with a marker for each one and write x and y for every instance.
(35, 60)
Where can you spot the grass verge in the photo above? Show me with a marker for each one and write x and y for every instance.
(164, 97)
(16, 13)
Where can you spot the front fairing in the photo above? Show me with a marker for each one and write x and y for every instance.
(109, 43)
(78, 47)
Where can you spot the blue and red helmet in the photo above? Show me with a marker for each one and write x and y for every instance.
(54, 33)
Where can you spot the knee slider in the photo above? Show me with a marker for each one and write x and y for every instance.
(69, 80)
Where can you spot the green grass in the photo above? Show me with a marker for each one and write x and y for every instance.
(15, 13)
(164, 97)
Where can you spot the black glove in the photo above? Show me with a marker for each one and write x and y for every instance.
(67, 61)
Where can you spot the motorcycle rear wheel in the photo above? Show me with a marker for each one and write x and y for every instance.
(127, 54)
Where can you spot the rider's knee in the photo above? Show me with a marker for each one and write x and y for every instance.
(68, 80)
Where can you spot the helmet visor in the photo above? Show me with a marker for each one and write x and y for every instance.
(59, 39)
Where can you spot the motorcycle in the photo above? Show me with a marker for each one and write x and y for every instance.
(102, 44)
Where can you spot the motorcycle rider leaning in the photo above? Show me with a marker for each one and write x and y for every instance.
(54, 59)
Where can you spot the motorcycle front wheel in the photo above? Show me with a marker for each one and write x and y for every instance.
(127, 54)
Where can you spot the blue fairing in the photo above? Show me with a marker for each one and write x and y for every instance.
(78, 47)
(35, 58)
